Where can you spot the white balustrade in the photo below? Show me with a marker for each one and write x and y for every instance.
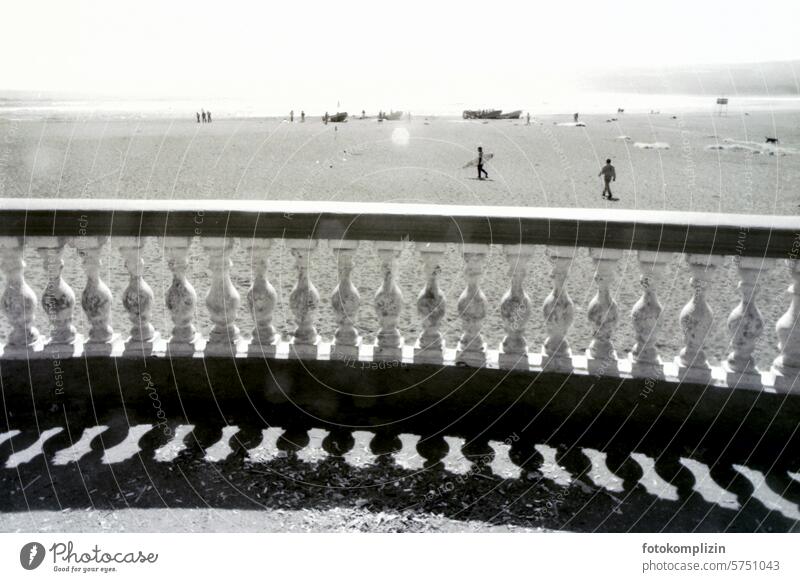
(388, 304)
(222, 299)
(137, 298)
(603, 314)
(304, 301)
(786, 367)
(58, 298)
(746, 325)
(745, 322)
(18, 301)
(96, 297)
(431, 306)
(261, 299)
(345, 301)
(181, 298)
(559, 312)
(515, 309)
(472, 307)
(646, 316)
(696, 320)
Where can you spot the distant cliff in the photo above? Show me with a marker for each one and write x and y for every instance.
(771, 78)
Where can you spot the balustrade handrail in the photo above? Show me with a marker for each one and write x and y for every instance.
(749, 235)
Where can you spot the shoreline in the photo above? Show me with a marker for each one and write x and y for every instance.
(595, 104)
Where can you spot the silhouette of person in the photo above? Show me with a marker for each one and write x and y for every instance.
(325, 118)
(609, 174)
(480, 164)
(575, 117)
(203, 115)
(208, 116)
(363, 114)
(528, 119)
(291, 116)
(302, 116)
(198, 117)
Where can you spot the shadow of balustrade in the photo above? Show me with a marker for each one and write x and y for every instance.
(583, 484)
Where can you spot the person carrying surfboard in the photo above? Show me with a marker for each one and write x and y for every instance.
(480, 164)
(609, 174)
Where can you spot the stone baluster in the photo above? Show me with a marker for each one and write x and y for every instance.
(746, 325)
(786, 367)
(96, 297)
(222, 299)
(603, 313)
(646, 316)
(261, 299)
(18, 301)
(58, 298)
(515, 309)
(345, 301)
(388, 304)
(181, 298)
(559, 312)
(696, 320)
(431, 306)
(303, 301)
(472, 307)
(137, 299)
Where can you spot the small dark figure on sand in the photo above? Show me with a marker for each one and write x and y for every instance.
(480, 164)
(528, 118)
(302, 116)
(203, 115)
(291, 116)
(198, 117)
(208, 116)
(609, 175)
(575, 117)
(325, 118)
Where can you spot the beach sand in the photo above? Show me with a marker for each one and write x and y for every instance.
(714, 164)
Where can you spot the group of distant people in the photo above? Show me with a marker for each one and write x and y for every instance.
(302, 116)
(204, 116)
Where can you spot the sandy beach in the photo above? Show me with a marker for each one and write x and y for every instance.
(712, 164)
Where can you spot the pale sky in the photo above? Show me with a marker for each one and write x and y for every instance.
(176, 48)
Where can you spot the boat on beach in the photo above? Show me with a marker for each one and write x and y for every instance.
(393, 116)
(482, 113)
(511, 115)
(338, 117)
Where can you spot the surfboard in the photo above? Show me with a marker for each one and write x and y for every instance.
(473, 163)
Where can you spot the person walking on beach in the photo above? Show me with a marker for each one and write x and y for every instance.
(528, 118)
(203, 114)
(208, 116)
(291, 116)
(480, 164)
(325, 118)
(575, 117)
(302, 116)
(609, 175)
(198, 116)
